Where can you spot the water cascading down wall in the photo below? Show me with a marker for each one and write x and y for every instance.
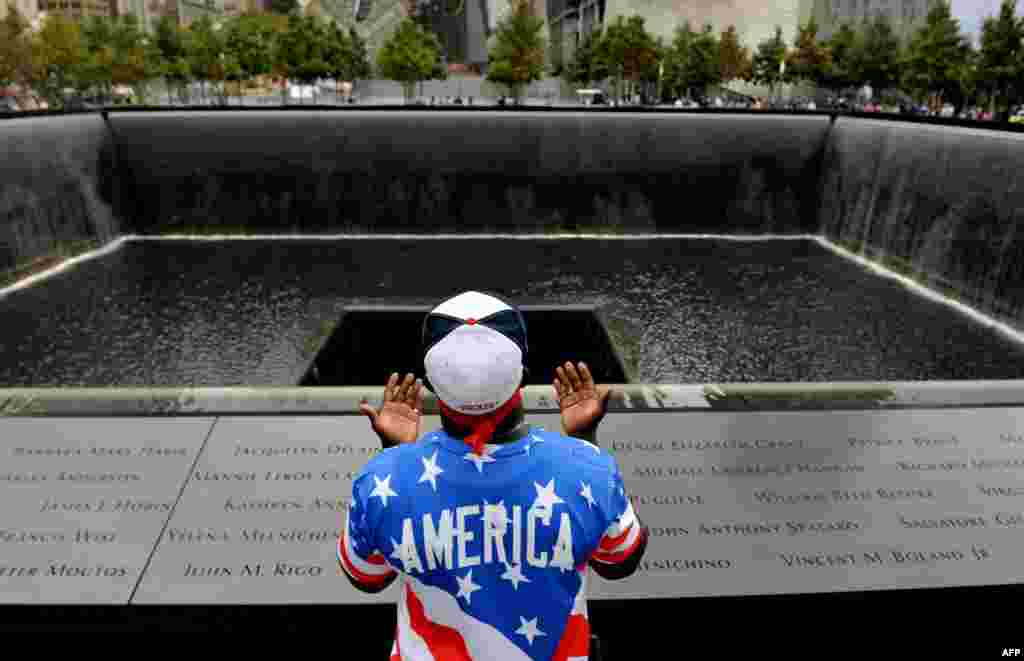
(943, 202)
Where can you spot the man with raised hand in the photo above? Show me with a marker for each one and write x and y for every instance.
(491, 522)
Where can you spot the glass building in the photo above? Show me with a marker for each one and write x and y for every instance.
(905, 15)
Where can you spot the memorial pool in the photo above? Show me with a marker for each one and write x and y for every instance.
(253, 312)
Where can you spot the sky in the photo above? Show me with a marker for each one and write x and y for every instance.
(972, 13)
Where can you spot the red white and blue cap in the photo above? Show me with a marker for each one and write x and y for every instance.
(474, 350)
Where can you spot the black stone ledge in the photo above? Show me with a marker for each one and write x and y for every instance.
(627, 398)
(968, 623)
(880, 117)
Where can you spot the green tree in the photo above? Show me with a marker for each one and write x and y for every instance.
(841, 71)
(360, 63)
(809, 60)
(769, 60)
(135, 55)
(15, 49)
(517, 58)
(204, 47)
(249, 44)
(58, 47)
(167, 41)
(693, 61)
(704, 60)
(303, 50)
(876, 55)
(938, 57)
(346, 55)
(411, 55)
(1001, 60)
(170, 46)
(628, 51)
(735, 62)
(95, 68)
(585, 68)
(675, 77)
(338, 53)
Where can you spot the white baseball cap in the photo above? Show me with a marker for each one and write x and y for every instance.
(474, 349)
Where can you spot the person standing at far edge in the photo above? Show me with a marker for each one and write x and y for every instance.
(490, 522)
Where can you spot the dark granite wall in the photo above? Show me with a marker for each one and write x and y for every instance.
(945, 201)
(308, 171)
(51, 193)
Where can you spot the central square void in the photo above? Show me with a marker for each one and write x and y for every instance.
(369, 344)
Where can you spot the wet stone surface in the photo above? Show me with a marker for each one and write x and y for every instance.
(175, 313)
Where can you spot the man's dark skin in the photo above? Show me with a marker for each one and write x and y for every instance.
(583, 405)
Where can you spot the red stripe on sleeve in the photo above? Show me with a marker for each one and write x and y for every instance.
(366, 579)
(608, 543)
(619, 558)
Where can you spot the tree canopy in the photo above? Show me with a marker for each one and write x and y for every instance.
(841, 70)
(586, 67)
(517, 58)
(411, 55)
(769, 60)
(876, 55)
(809, 60)
(735, 62)
(938, 56)
(692, 61)
(628, 51)
(1001, 58)
(16, 61)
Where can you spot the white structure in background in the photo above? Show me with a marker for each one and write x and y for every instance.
(301, 92)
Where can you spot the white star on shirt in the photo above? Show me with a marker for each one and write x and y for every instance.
(382, 490)
(546, 496)
(480, 459)
(587, 494)
(529, 629)
(466, 586)
(514, 574)
(430, 470)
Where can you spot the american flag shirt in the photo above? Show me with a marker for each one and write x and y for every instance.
(491, 549)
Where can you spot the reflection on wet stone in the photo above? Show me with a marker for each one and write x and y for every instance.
(253, 313)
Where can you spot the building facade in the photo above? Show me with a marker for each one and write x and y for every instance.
(905, 15)
(192, 10)
(468, 34)
(755, 20)
(465, 28)
(149, 12)
(77, 9)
